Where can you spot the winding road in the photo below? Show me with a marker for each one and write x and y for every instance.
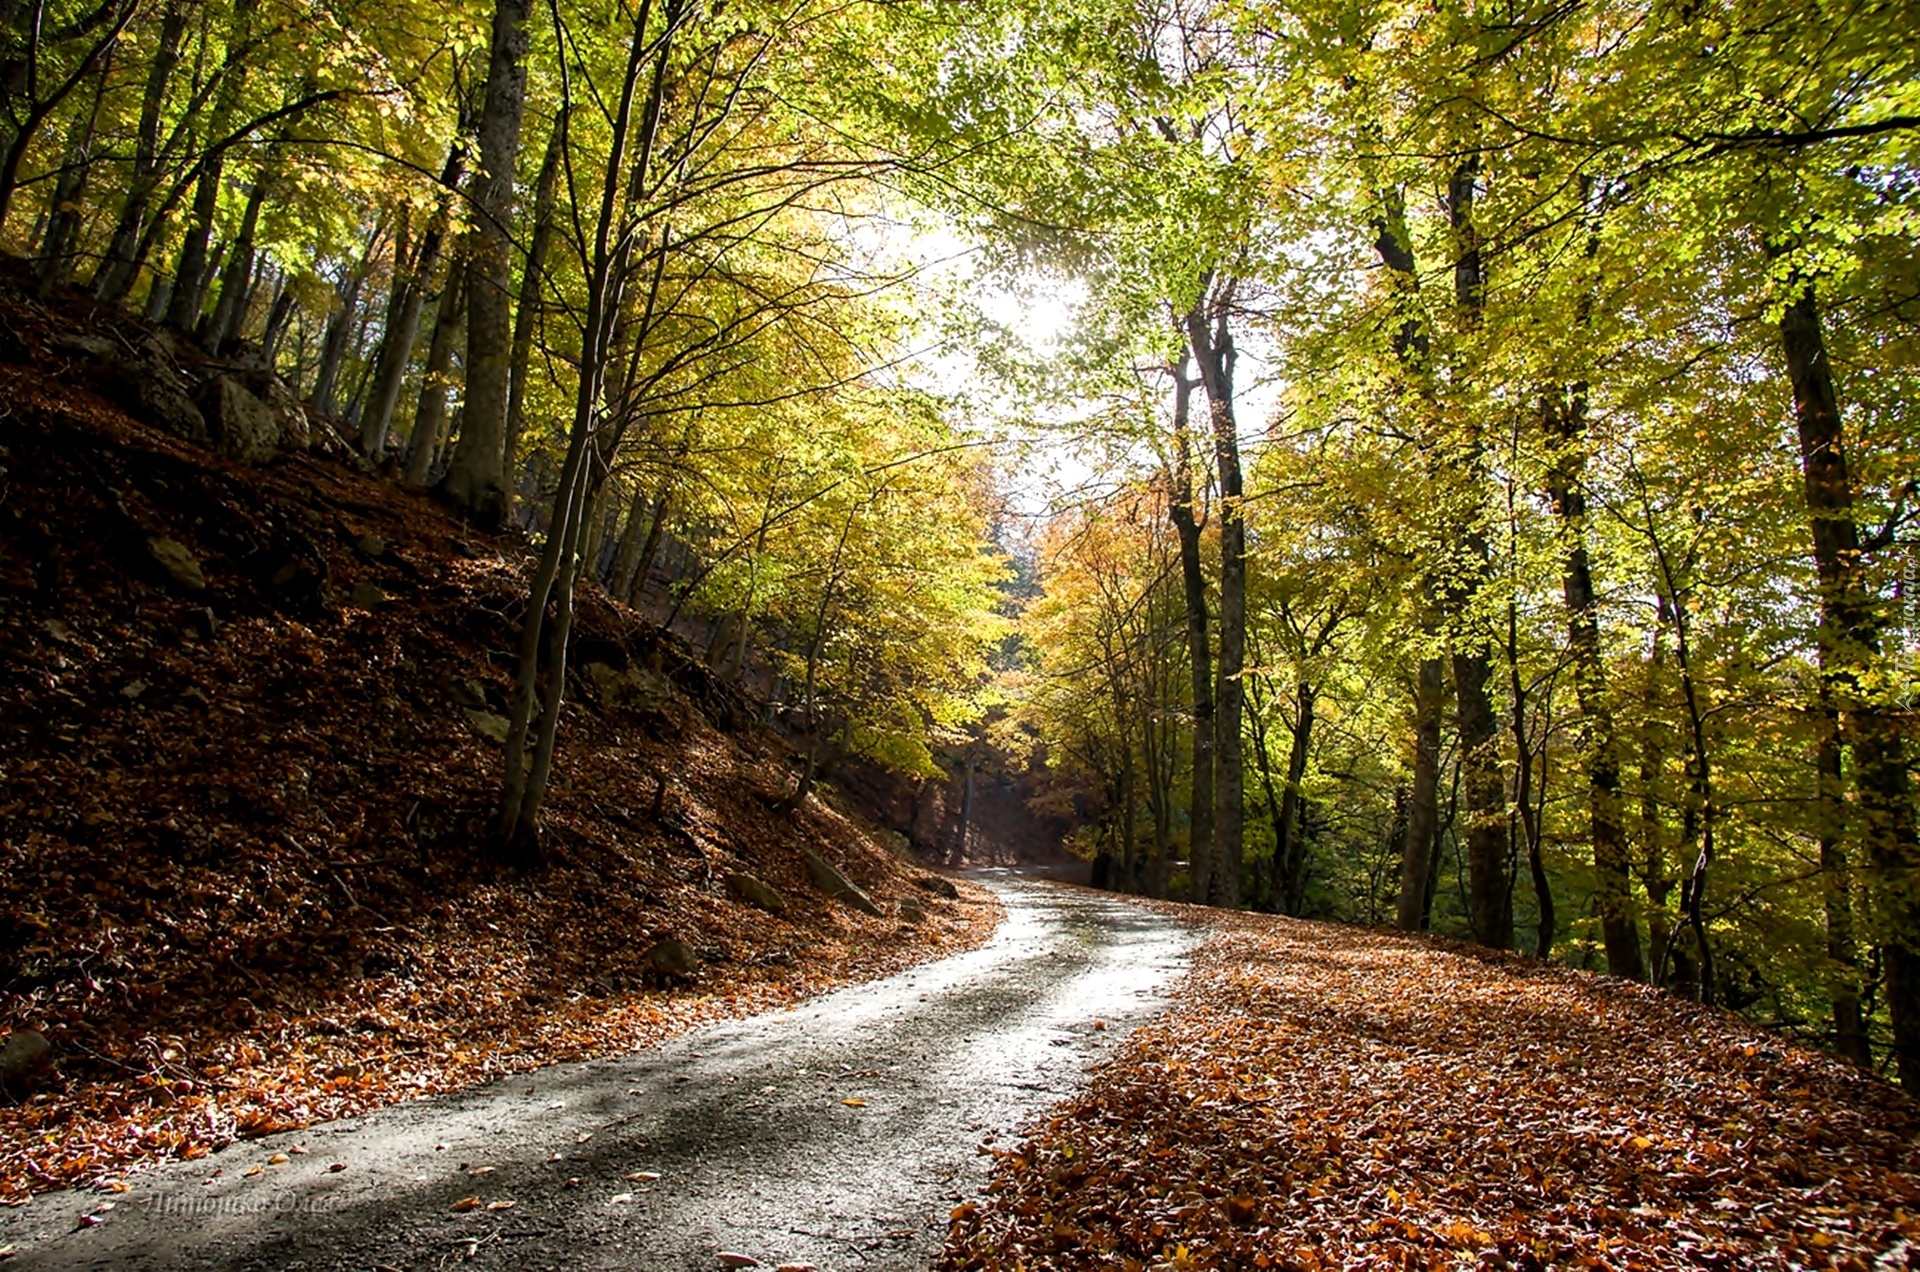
(838, 1133)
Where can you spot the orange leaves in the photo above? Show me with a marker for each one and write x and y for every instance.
(1325, 1097)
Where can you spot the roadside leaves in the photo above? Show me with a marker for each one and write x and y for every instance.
(1327, 1097)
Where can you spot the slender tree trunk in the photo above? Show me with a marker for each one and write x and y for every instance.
(1599, 740)
(1836, 874)
(524, 787)
(119, 267)
(1210, 338)
(1849, 644)
(57, 250)
(476, 478)
(1293, 865)
(190, 279)
(1181, 509)
(1523, 791)
(279, 312)
(633, 584)
(626, 552)
(526, 313)
(1488, 847)
(958, 853)
(342, 327)
(1418, 859)
(403, 324)
(396, 349)
(236, 282)
(430, 418)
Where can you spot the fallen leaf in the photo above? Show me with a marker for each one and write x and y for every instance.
(644, 1176)
(465, 1204)
(278, 1159)
(854, 1102)
(502, 1204)
(729, 1259)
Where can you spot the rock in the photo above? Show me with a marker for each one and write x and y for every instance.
(242, 426)
(757, 893)
(938, 886)
(181, 565)
(202, 622)
(133, 689)
(99, 348)
(371, 545)
(157, 394)
(489, 725)
(296, 430)
(729, 1259)
(671, 959)
(366, 596)
(911, 910)
(468, 692)
(838, 886)
(893, 841)
(635, 689)
(25, 1059)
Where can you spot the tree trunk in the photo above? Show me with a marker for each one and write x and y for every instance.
(526, 313)
(190, 279)
(1566, 429)
(958, 853)
(236, 282)
(1193, 580)
(430, 418)
(1423, 802)
(633, 584)
(1836, 877)
(1488, 846)
(118, 267)
(1849, 644)
(341, 327)
(396, 349)
(57, 250)
(403, 323)
(476, 481)
(1293, 863)
(1211, 340)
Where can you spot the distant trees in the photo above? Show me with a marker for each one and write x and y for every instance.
(1546, 311)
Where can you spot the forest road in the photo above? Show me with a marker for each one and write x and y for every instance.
(839, 1133)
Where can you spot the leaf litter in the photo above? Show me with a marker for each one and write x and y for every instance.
(1328, 1097)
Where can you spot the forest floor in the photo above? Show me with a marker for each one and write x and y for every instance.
(1329, 1097)
(242, 886)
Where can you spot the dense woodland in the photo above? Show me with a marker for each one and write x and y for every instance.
(1501, 413)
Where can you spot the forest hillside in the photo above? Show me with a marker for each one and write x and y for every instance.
(251, 742)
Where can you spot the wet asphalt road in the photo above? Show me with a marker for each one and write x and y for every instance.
(745, 1129)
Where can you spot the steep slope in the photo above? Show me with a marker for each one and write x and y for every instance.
(245, 769)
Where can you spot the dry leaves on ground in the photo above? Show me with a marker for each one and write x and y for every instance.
(1326, 1097)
